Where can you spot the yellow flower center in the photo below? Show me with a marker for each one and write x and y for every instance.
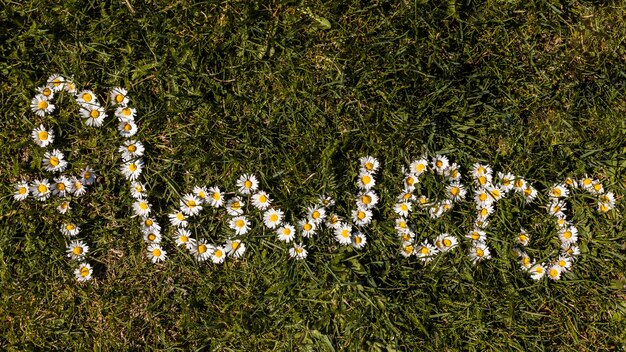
(475, 236)
(519, 183)
(235, 206)
(148, 222)
(240, 223)
(42, 188)
(439, 163)
(567, 235)
(334, 219)
(119, 98)
(482, 197)
(77, 250)
(484, 212)
(539, 270)
(70, 227)
(218, 253)
(604, 208)
(61, 186)
(87, 97)
(424, 250)
(556, 192)
(180, 216)
(42, 105)
(420, 167)
(526, 261)
(132, 167)
(95, 113)
(202, 249)
(406, 237)
(307, 227)
(455, 191)
(215, 196)
(482, 180)
(423, 200)
(201, 194)
(262, 199)
(84, 271)
(454, 173)
(366, 180)
(522, 238)
(361, 215)
(402, 224)
(366, 199)
(126, 111)
(410, 181)
(528, 192)
(54, 161)
(46, 92)
(556, 209)
(235, 245)
(191, 203)
(408, 249)
(56, 82)
(299, 250)
(407, 196)
(345, 233)
(495, 193)
(247, 184)
(358, 240)
(316, 214)
(447, 242)
(143, 205)
(553, 272)
(480, 253)
(369, 165)
(87, 175)
(151, 237)
(64, 205)
(481, 170)
(597, 187)
(22, 190)
(127, 127)
(132, 148)
(404, 207)
(274, 217)
(156, 252)
(42, 135)
(587, 181)
(184, 239)
(286, 231)
(562, 263)
(506, 182)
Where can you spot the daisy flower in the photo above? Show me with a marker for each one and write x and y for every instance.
(286, 233)
(440, 164)
(87, 98)
(83, 272)
(406, 236)
(565, 262)
(132, 169)
(407, 249)
(519, 184)
(453, 172)
(54, 161)
(70, 229)
(21, 191)
(585, 183)
(153, 237)
(78, 188)
(606, 202)
(261, 200)
(190, 205)
(402, 208)
(46, 92)
(366, 181)
(202, 251)
(529, 194)
(483, 180)
(40, 189)
(326, 201)
(570, 182)
(496, 193)
(455, 191)
(137, 190)
(41, 106)
(506, 181)
(596, 187)
(561, 222)
(556, 208)
(361, 217)
(307, 227)
(554, 272)
(559, 191)
(422, 201)
(367, 200)
(131, 149)
(409, 182)
(88, 176)
(218, 255)
(401, 225)
(235, 248)
(182, 237)
(405, 196)
(217, 200)
(426, 252)
(247, 183)
(358, 240)
(125, 113)
(119, 96)
(478, 252)
(62, 186)
(537, 271)
(570, 250)
(141, 208)
(435, 211)
(94, 115)
(482, 197)
(568, 235)
(445, 242)
(235, 206)
(481, 223)
(70, 87)
(239, 224)
(178, 219)
(479, 170)
(202, 193)
(333, 221)
(272, 218)
(369, 164)
(63, 207)
(525, 261)
(484, 211)
(477, 235)
(316, 214)
(298, 251)
(343, 234)
(418, 167)
(77, 250)
(149, 225)
(42, 136)
(127, 128)
(56, 82)
(156, 253)
(523, 238)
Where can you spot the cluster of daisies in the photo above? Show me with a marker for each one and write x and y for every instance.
(241, 216)
(63, 187)
(567, 233)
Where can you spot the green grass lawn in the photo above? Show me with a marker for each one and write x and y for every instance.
(295, 92)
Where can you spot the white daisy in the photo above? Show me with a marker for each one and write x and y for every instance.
(596, 188)
(261, 200)
(142, 208)
(131, 149)
(426, 251)
(343, 234)
(42, 136)
(506, 181)
(477, 235)
(482, 197)
(435, 211)
(46, 92)
(445, 242)
(240, 224)
(178, 219)
(137, 190)
(286, 233)
(570, 182)
(369, 164)
(484, 211)
(606, 202)
(235, 248)
(216, 197)
(132, 169)
(523, 237)
(54, 161)
(406, 236)
(456, 191)
(358, 240)
(182, 237)
(235, 206)
(418, 167)
(70, 87)
(307, 227)
(272, 218)
(78, 188)
(316, 214)
(149, 225)
(298, 251)
(83, 272)
(440, 164)
(361, 216)
(56, 82)
(156, 253)
(586, 183)
(496, 193)
(481, 170)
(202, 193)
(519, 184)
(401, 225)
(333, 221)
(478, 252)
(219, 255)
(40, 189)
(87, 98)
(125, 113)
(409, 182)
(127, 128)
(405, 196)
(247, 184)
(326, 201)
(21, 191)
(559, 191)
(367, 200)
(403, 209)
(483, 180)
(525, 261)
(153, 237)
(88, 176)
(366, 180)
(568, 235)
(94, 115)
(407, 249)
(119, 96)
(556, 208)
(70, 229)
(565, 262)
(62, 186)
(77, 250)
(190, 205)
(202, 250)
(537, 271)
(481, 223)
(554, 272)
(41, 106)
(570, 250)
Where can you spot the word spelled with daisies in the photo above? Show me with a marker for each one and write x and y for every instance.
(249, 205)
